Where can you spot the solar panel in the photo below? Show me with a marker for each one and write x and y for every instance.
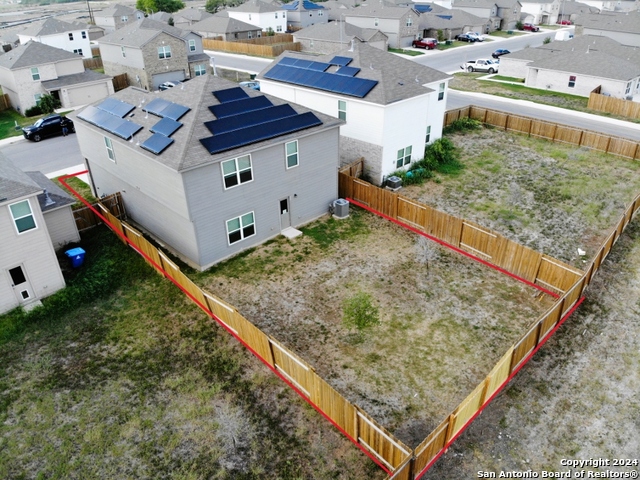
(250, 119)
(230, 94)
(115, 107)
(156, 143)
(240, 106)
(156, 105)
(287, 61)
(88, 113)
(110, 122)
(166, 127)
(174, 111)
(348, 71)
(340, 61)
(127, 129)
(249, 135)
(319, 66)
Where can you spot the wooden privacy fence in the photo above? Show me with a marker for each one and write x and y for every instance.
(512, 257)
(92, 63)
(351, 419)
(85, 218)
(548, 130)
(5, 102)
(270, 50)
(120, 82)
(617, 106)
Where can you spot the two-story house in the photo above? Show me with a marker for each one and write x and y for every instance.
(269, 17)
(399, 24)
(485, 9)
(509, 12)
(335, 36)
(304, 13)
(152, 52)
(73, 38)
(188, 16)
(29, 268)
(35, 69)
(210, 168)
(226, 28)
(447, 25)
(115, 17)
(621, 27)
(544, 12)
(393, 107)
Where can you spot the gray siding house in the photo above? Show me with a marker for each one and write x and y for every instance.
(399, 24)
(216, 181)
(29, 269)
(335, 36)
(226, 28)
(304, 13)
(621, 27)
(116, 17)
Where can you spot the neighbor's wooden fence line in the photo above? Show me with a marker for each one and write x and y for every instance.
(512, 257)
(548, 130)
(85, 218)
(253, 46)
(120, 82)
(5, 102)
(92, 63)
(617, 106)
(351, 419)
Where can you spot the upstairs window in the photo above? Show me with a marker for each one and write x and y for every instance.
(291, 150)
(404, 157)
(84, 34)
(110, 152)
(376, 22)
(164, 52)
(192, 45)
(123, 52)
(78, 51)
(124, 18)
(276, 14)
(409, 21)
(35, 73)
(71, 36)
(572, 81)
(342, 110)
(22, 216)
(441, 92)
(428, 137)
(237, 171)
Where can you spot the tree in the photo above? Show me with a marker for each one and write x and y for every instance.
(427, 251)
(359, 312)
(169, 6)
(48, 103)
(147, 6)
(212, 6)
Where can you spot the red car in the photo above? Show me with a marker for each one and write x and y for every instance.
(530, 27)
(426, 43)
(564, 22)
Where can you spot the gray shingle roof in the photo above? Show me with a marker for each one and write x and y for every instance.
(187, 152)
(51, 26)
(141, 32)
(473, 3)
(192, 14)
(56, 194)
(398, 78)
(161, 17)
(218, 24)
(33, 54)
(88, 76)
(452, 19)
(331, 32)
(378, 11)
(255, 6)
(116, 11)
(628, 22)
(14, 183)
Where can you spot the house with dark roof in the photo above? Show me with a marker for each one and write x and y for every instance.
(117, 16)
(399, 24)
(393, 107)
(335, 36)
(450, 23)
(226, 28)
(304, 13)
(188, 16)
(210, 168)
(152, 52)
(35, 218)
(35, 69)
(267, 16)
(73, 38)
(544, 12)
(621, 27)
(578, 66)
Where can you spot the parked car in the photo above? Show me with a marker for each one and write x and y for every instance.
(50, 126)
(166, 85)
(253, 85)
(499, 52)
(465, 37)
(564, 22)
(481, 65)
(478, 36)
(426, 43)
(530, 27)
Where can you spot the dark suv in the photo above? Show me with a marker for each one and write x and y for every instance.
(48, 127)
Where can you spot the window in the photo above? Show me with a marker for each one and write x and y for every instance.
(572, 81)
(200, 70)
(428, 137)
(409, 21)
(84, 34)
(35, 73)
(241, 227)
(249, 34)
(124, 18)
(192, 45)
(237, 171)
(110, 152)
(441, 92)
(70, 36)
(22, 216)
(123, 52)
(249, 16)
(342, 110)
(376, 22)
(279, 28)
(321, 14)
(276, 14)
(78, 51)
(164, 52)
(37, 97)
(291, 149)
(404, 157)
(626, 92)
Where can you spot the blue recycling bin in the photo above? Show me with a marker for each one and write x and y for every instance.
(76, 255)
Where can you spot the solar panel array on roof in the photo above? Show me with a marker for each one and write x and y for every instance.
(230, 94)
(240, 106)
(166, 127)
(340, 61)
(156, 143)
(165, 108)
(250, 119)
(331, 82)
(308, 64)
(110, 122)
(348, 71)
(115, 107)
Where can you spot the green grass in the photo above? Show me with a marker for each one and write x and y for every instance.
(507, 79)
(542, 93)
(8, 119)
(453, 44)
(411, 53)
(79, 186)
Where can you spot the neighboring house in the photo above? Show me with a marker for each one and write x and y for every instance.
(29, 268)
(118, 16)
(226, 28)
(578, 66)
(267, 16)
(163, 17)
(509, 12)
(485, 9)
(544, 12)
(393, 107)
(399, 24)
(95, 32)
(607, 5)
(29, 71)
(449, 24)
(621, 27)
(213, 183)
(73, 38)
(336, 10)
(152, 52)
(570, 10)
(335, 36)
(188, 16)
(304, 13)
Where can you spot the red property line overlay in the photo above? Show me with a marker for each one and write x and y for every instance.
(220, 322)
(456, 249)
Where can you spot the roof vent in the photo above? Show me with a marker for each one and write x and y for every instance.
(48, 201)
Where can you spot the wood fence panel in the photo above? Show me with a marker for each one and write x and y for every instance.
(345, 185)
(550, 319)
(115, 222)
(557, 275)
(5, 102)
(519, 124)
(524, 346)
(543, 129)
(517, 259)
(608, 243)
(495, 118)
(617, 106)
(92, 63)
(622, 147)
(451, 116)
(195, 291)
(467, 409)
(335, 406)
(120, 82)
(383, 201)
(412, 213)
(384, 446)
(478, 113)
(445, 227)
(403, 472)
(570, 135)
(85, 218)
(255, 338)
(293, 368)
(270, 39)
(499, 374)
(361, 191)
(272, 50)
(596, 141)
(430, 446)
(477, 240)
(573, 295)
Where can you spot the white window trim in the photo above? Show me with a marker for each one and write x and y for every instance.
(242, 227)
(441, 89)
(122, 50)
(192, 45)
(111, 154)
(24, 216)
(287, 155)
(37, 97)
(428, 136)
(200, 68)
(235, 160)
(404, 156)
(35, 71)
(165, 49)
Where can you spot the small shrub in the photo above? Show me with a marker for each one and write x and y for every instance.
(359, 313)
(519, 26)
(464, 124)
(48, 103)
(33, 111)
(546, 40)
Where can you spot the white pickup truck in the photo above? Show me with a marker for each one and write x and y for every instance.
(481, 65)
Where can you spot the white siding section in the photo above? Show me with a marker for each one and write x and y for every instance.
(61, 226)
